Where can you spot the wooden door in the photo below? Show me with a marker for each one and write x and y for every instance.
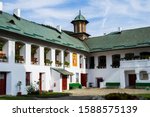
(132, 80)
(64, 82)
(40, 82)
(84, 79)
(2, 83)
(98, 82)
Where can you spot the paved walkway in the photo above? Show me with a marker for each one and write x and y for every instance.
(97, 91)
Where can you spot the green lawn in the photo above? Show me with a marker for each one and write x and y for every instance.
(145, 96)
(16, 98)
(34, 97)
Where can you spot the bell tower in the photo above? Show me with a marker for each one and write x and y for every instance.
(79, 24)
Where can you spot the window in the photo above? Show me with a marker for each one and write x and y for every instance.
(143, 75)
(144, 55)
(86, 63)
(101, 62)
(58, 58)
(28, 78)
(115, 61)
(129, 56)
(92, 62)
(77, 77)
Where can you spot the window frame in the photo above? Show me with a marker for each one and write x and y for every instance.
(91, 66)
(116, 61)
(102, 63)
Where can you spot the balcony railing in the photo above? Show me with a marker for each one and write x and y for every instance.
(135, 63)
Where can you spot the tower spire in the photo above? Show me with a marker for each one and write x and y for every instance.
(80, 23)
(79, 12)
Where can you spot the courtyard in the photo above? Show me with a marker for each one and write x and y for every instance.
(101, 92)
(84, 94)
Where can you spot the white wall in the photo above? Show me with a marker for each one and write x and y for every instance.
(56, 79)
(17, 71)
(111, 74)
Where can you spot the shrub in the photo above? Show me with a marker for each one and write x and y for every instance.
(75, 85)
(120, 96)
(31, 90)
(66, 63)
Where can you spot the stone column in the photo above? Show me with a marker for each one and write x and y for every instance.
(11, 52)
(84, 62)
(70, 59)
(53, 51)
(27, 54)
(62, 58)
(122, 79)
(78, 60)
(137, 76)
(41, 55)
(148, 76)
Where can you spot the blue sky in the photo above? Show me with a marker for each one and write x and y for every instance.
(104, 15)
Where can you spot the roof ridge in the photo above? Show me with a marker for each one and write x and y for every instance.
(121, 31)
(21, 18)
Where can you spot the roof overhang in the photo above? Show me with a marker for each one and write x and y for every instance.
(63, 71)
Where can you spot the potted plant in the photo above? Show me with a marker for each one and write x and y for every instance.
(48, 62)
(19, 88)
(4, 59)
(58, 63)
(66, 64)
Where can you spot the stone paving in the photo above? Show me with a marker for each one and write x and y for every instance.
(100, 92)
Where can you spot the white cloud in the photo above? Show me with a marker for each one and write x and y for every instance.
(140, 5)
(31, 4)
(52, 13)
(104, 15)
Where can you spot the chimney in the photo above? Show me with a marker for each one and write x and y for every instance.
(17, 12)
(1, 6)
(58, 28)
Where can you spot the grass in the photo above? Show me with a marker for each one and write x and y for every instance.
(35, 97)
(125, 96)
(143, 96)
(16, 98)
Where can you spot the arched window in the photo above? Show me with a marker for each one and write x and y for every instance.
(102, 62)
(115, 61)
